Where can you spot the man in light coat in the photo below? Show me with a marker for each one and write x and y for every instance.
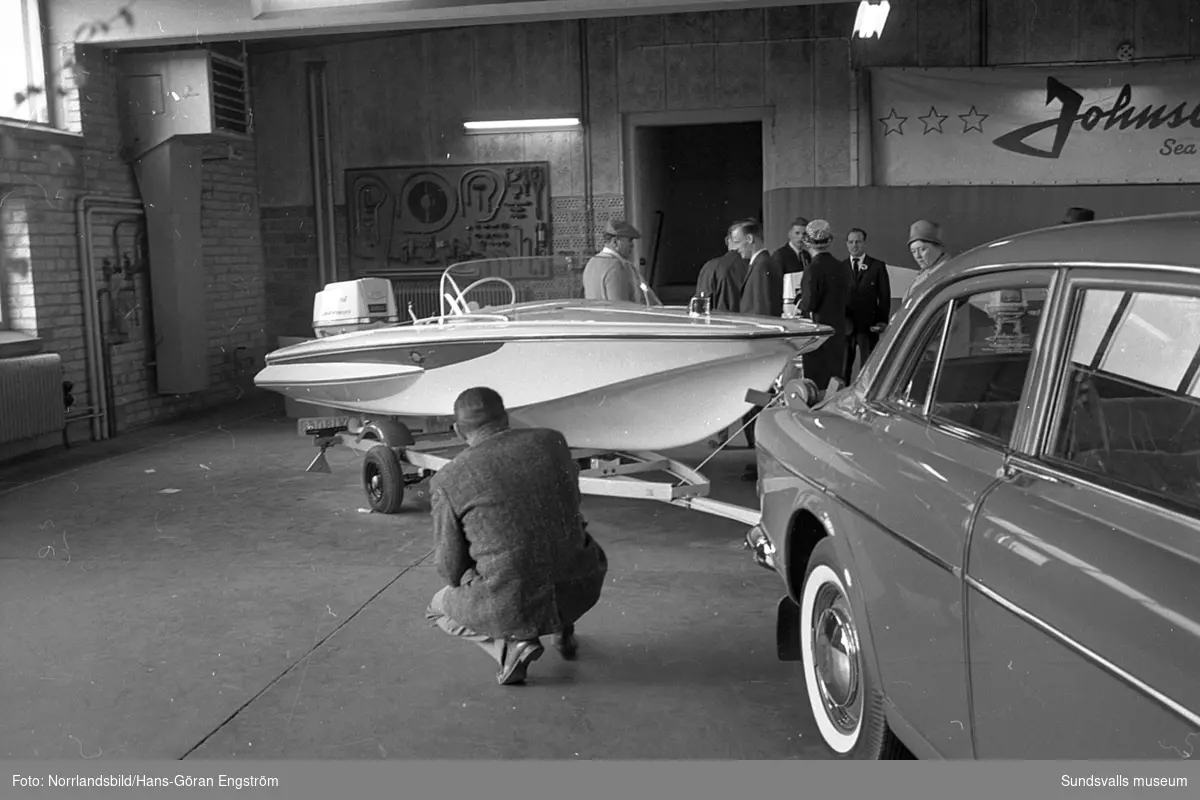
(610, 274)
(512, 544)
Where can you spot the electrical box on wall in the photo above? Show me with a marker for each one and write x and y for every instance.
(194, 92)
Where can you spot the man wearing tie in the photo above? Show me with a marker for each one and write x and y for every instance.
(761, 295)
(870, 300)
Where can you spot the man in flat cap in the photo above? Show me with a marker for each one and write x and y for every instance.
(1078, 214)
(610, 275)
(927, 248)
(512, 543)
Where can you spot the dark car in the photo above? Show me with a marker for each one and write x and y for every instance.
(991, 540)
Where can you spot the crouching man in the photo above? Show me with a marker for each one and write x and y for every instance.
(512, 544)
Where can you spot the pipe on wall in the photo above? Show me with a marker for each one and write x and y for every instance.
(86, 207)
(314, 143)
(855, 123)
(331, 264)
(589, 210)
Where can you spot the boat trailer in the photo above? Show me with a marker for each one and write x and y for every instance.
(395, 457)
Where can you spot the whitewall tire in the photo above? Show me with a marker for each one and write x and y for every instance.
(846, 705)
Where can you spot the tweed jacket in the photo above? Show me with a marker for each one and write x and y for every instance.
(511, 541)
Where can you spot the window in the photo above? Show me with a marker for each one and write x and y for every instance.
(1130, 413)
(975, 366)
(22, 62)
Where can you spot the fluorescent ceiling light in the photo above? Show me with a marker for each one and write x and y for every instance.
(518, 125)
(871, 18)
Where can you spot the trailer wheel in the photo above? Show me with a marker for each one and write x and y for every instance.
(383, 479)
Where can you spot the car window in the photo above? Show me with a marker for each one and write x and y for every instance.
(1130, 415)
(980, 374)
(987, 356)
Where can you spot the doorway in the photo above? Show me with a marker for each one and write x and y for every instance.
(690, 182)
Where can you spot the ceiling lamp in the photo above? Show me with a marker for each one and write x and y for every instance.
(871, 19)
(521, 125)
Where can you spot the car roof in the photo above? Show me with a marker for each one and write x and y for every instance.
(1162, 239)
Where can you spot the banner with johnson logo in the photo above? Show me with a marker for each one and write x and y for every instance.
(1036, 125)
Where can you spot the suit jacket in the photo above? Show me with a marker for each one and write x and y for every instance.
(789, 261)
(722, 280)
(763, 293)
(511, 541)
(824, 295)
(607, 277)
(870, 294)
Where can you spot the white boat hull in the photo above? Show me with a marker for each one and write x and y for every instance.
(611, 378)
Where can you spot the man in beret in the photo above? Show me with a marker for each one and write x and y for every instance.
(512, 543)
(610, 275)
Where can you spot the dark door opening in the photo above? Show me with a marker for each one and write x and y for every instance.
(693, 181)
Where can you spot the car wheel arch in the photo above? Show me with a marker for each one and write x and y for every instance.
(809, 525)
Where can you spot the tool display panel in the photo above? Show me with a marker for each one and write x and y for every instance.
(419, 220)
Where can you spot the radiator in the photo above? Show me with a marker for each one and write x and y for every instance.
(31, 396)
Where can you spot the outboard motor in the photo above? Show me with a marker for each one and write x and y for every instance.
(354, 306)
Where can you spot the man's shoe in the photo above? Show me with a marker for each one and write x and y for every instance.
(567, 644)
(517, 658)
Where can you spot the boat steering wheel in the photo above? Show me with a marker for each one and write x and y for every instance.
(457, 301)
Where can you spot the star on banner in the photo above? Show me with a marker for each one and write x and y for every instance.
(893, 123)
(973, 121)
(929, 118)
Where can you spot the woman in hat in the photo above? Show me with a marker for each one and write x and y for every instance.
(925, 245)
(824, 295)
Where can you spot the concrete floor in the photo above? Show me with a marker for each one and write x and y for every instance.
(189, 591)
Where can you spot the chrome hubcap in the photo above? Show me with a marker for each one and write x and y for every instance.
(836, 662)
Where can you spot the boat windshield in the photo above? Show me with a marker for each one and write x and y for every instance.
(485, 289)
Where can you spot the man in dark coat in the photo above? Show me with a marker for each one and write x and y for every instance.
(792, 257)
(824, 295)
(721, 279)
(512, 544)
(870, 299)
(762, 295)
(763, 292)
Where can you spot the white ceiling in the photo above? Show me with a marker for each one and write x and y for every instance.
(172, 22)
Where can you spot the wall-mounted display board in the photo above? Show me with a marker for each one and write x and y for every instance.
(419, 220)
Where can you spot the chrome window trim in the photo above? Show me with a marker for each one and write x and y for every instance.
(940, 358)
(1086, 652)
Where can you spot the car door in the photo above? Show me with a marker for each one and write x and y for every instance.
(1084, 564)
(941, 415)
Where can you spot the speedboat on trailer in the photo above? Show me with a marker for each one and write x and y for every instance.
(608, 375)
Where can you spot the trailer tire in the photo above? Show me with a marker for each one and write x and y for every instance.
(383, 479)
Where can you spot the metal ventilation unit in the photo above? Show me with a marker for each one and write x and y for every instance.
(197, 92)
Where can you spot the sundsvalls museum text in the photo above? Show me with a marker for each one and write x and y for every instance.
(144, 781)
(1093, 781)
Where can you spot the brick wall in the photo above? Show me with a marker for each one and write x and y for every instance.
(42, 173)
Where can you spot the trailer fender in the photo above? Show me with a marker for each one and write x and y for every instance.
(388, 431)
